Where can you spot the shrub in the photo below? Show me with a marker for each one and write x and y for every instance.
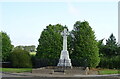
(43, 62)
(20, 58)
(113, 62)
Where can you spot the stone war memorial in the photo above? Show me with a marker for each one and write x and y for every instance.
(64, 57)
(64, 65)
(54, 39)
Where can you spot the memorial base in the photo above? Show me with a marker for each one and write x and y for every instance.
(65, 63)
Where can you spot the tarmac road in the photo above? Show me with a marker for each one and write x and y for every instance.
(36, 76)
(13, 75)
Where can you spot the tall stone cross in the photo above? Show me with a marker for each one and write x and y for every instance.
(64, 34)
(64, 57)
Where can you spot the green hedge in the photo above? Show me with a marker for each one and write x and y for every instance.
(20, 59)
(43, 62)
(110, 62)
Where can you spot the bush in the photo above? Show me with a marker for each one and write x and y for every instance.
(20, 58)
(112, 63)
(43, 62)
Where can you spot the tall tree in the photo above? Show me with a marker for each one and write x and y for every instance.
(85, 49)
(50, 42)
(6, 46)
(118, 50)
(0, 46)
(111, 41)
(111, 46)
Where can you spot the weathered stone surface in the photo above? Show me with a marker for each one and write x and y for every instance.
(64, 57)
(42, 71)
(66, 70)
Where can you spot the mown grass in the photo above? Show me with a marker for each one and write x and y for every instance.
(16, 70)
(108, 71)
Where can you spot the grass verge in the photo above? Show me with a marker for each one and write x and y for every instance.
(111, 71)
(16, 70)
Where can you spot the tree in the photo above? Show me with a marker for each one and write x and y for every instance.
(19, 47)
(27, 48)
(118, 50)
(50, 42)
(111, 41)
(0, 46)
(6, 46)
(111, 53)
(85, 49)
(111, 46)
(30, 48)
(20, 58)
(101, 47)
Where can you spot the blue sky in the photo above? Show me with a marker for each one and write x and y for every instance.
(24, 21)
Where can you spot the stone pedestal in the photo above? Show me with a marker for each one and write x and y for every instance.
(64, 59)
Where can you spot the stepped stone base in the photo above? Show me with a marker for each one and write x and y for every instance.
(61, 70)
(65, 62)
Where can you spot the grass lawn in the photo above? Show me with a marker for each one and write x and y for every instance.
(16, 70)
(109, 71)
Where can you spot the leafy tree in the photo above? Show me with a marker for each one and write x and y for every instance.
(118, 50)
(111, 46)
(85, 49)
(19, 47)
(6, 46)
(101, 47)
(30, 48)
(50, 42)
(20, 58)
(110, 53)
(0, 46)
(110, 62)
(111, 41)
(27, 48)
(70, 43)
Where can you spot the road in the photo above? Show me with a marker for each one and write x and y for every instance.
(37, 76)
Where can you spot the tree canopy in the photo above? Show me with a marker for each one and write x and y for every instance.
(6, 46)
(111, 46)
(82, 45)
(0, 46)
(85, 49)
(30, 48)
(20, 58)
(50, 42)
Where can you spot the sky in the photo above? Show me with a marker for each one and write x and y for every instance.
(24, 21)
